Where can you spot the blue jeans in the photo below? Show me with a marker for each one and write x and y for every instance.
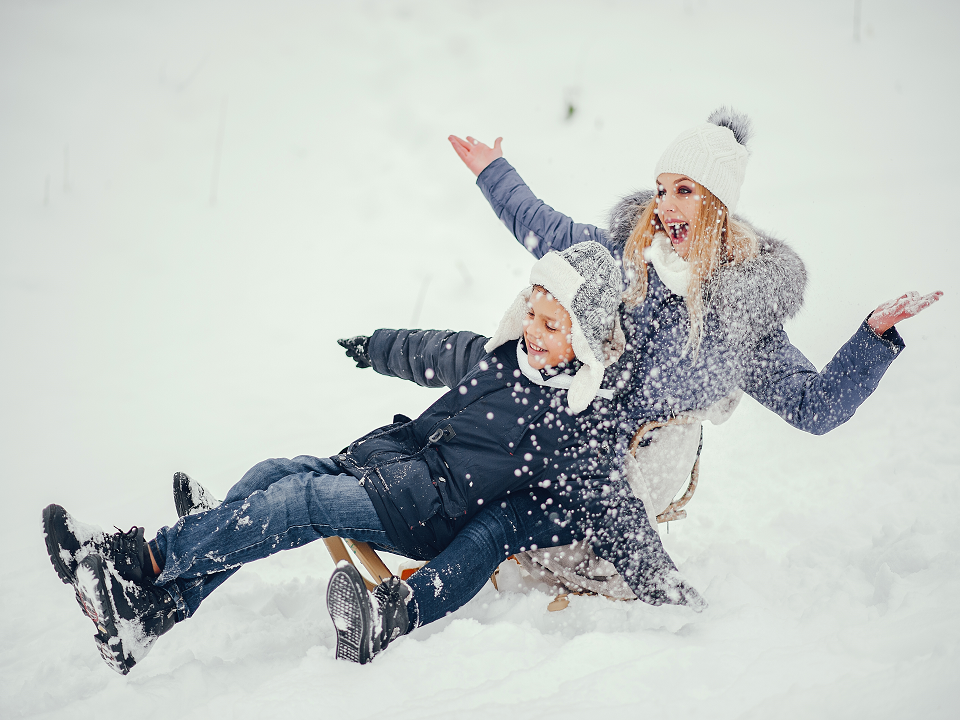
(277, 505)
(282, 504)
(452, 578)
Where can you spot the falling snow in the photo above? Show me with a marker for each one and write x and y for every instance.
(199, 198)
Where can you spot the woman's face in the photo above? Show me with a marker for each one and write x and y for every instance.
(677, 207)
(546, 330)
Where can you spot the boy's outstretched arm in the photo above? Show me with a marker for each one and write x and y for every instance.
(431, 358)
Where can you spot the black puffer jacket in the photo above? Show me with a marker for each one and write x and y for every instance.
(494, 433)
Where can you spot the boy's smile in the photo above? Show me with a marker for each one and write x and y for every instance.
(546, 331)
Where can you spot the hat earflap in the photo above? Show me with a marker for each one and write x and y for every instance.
(583, 389)
(587, 381)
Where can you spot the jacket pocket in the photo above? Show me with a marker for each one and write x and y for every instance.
(452, 501)
(408, 484)
(385, 444)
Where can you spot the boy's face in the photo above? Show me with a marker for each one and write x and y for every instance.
(546, 330)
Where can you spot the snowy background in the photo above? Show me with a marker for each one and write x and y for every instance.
(198, 198)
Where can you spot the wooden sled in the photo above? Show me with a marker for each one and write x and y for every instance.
(370, 561)
(367, 555)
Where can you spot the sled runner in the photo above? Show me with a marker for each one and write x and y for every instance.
(674, 511)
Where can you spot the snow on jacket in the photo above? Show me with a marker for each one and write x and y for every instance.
(744, 345)
(494, 432)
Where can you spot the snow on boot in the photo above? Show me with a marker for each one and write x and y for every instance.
(129, 616)
(365, 623)
(191, 497)
(70, 541)
(348, 603)
(390, 601)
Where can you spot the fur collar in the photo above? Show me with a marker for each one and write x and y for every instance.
(749, 299)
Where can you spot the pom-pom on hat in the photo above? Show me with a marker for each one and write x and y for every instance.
(713, 153)
(588, 283)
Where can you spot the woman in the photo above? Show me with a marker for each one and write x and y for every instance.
(705, 295)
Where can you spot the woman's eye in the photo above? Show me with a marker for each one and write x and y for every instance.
(684, 190)
(551, 329)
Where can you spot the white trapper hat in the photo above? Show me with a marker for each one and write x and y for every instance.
(588, 283)
(713, 153)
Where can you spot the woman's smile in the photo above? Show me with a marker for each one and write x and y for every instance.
(678, 231)
(678, 205)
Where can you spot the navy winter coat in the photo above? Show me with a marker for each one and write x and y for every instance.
(744, 345)
(495, 432)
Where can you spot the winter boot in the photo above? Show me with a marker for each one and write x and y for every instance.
(70, 541)
(366, 622)
(129, 616)
(191, 497)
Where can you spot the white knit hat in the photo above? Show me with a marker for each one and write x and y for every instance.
(714, 154)
(588, 283)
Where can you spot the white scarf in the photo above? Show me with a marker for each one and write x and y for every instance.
(672, 269)
(561, 381)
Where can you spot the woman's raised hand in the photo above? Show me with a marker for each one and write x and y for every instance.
(475, 154)
(905, 306)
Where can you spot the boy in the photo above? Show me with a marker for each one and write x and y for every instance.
(512, 422)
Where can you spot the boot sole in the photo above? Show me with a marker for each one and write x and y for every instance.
(94, 598)
(51, 514)
(349, 609)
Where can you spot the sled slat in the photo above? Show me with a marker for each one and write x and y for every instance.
(371, 561)
(338, 551)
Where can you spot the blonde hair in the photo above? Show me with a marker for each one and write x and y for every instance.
(716, 239)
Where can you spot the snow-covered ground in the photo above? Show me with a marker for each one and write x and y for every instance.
(198, 198)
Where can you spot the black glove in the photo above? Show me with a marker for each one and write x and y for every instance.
(356, 348)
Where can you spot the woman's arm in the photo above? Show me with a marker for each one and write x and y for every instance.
(781, 378)
(431, 358)
(537, 226)
(475, 154)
